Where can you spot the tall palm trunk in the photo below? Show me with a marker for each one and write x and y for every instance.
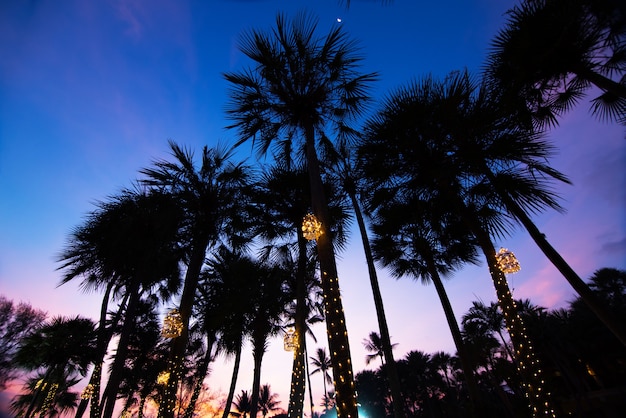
(338, 344)
(392, 371)
(100, 342)
(466, 364)
(200, 375)
(586, 294)
(233, 381)
(258, 351)
(298, 382)
(527, 364)
(104, 338)
(179, 344)
(110, 392)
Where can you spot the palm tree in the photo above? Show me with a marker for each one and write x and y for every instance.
(268, 305)
(551, 51)
(60, 351)
(418, 147)
(267, 400)
(415, 241)
(243, 404)
(322, 364)
(487, 319)
(300, 87)
(212, 196)
(374, 345)
(56, 401)
(345, 172)
(130, 241)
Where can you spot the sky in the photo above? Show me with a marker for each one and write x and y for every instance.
(90, 93)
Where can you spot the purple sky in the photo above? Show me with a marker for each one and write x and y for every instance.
(91, 91)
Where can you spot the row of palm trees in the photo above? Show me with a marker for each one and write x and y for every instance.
(444, 168)
(582, 361)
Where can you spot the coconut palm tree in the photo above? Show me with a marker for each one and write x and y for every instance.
(489, 320)
(212, 196)
(551, 51)
(301, 86)
(268, 401)
(374, 345)
(242, 403)
(322, 364)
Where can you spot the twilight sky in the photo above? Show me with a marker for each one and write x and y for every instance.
(90, 92)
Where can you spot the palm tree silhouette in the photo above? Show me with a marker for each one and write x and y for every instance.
(213, 198)
(551, 51)
(321, 363)
(300, 87)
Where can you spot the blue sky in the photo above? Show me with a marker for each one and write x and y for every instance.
(90, 92)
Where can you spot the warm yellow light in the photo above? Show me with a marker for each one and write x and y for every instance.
(163, 378)
(172, 324)
(507, 262)
(311, 227)
(290, 340)
(87, 392)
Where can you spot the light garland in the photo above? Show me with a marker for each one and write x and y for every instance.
(507, 262)
(311, 227)
(172, 324)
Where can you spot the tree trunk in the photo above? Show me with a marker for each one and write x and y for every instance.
(586, 294)
(200, 375)
(468, 370)
(527, 364)
(258, 352)
(392, 371)
(82, 406)
(104, 339)
(110, 392)
(338, 344)
(298, 382)
(233, 382)
(179, 344)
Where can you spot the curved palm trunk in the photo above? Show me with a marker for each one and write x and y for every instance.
(104, 338)
(100, 342)
(298, 382)
(338, 343)
(466, 364)
(392, 371)
(179, 345)
(527, 363)
(110, 392)
(200, 375)
(233, 382)
(586, 294)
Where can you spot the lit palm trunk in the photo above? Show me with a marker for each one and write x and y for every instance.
(338, 345)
